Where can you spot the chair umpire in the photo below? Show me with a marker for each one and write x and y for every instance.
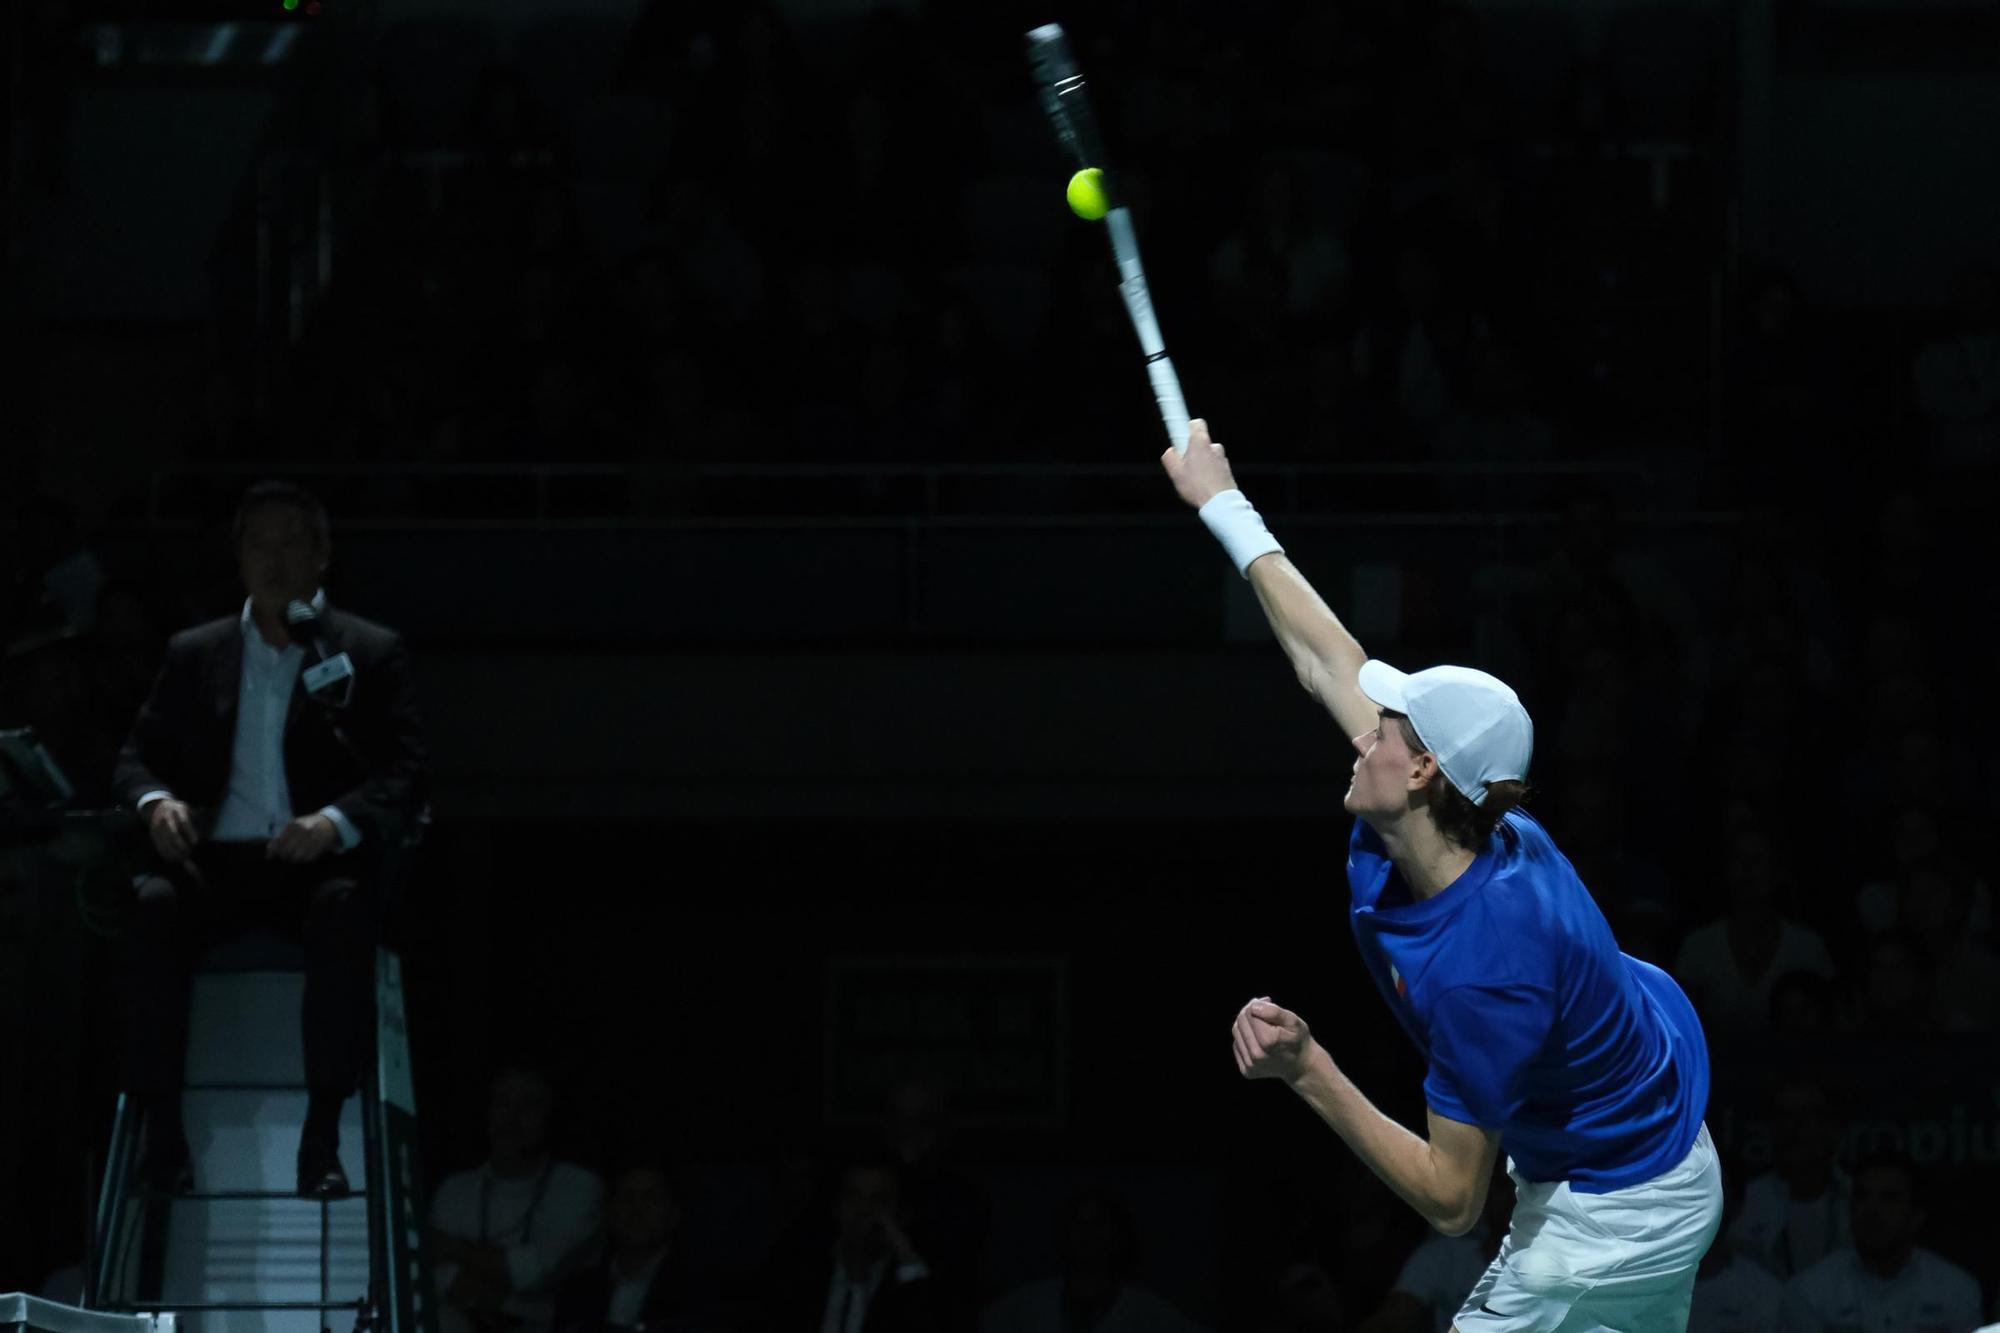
(277, 761)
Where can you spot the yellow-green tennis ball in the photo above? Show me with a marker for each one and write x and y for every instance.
(1086, 194)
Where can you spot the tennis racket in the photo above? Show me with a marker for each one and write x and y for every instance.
(1060, 84)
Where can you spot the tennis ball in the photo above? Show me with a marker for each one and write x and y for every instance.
(1086, 194)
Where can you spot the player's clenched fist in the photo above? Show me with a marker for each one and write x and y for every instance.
(1202, 473)
(1270, 1042)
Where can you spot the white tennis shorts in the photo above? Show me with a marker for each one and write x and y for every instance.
(1622, 1262)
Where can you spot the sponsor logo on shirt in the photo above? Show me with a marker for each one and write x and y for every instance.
(1402, 986)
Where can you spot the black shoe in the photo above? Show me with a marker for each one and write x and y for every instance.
(320, 1174)
(166, 1167)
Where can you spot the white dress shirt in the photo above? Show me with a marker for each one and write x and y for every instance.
(258, 803)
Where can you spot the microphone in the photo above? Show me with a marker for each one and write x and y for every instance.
(331, 679)
(302, 621)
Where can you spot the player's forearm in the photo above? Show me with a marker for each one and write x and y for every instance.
(1318, 645)
(1404, 1160)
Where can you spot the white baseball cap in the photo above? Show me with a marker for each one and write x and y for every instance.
(1471, 721)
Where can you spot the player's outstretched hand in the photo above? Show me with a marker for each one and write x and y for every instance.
(1270, 1042)
(1202, 473)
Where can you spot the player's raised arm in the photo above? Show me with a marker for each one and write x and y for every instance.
(1327, 658)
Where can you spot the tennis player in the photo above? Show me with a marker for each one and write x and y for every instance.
(1586, 1067)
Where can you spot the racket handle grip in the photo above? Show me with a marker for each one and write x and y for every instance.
(1139, 305)
(1173, 409)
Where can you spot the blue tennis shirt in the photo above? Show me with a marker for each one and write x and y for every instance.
(1590, 1064)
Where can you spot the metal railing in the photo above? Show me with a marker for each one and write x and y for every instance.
(31, 1314)
(130, 1224)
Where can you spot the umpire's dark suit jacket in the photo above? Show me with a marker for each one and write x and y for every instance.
(185, 734)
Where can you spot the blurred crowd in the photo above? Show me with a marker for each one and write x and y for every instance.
(893, 1229)
(1373, 232)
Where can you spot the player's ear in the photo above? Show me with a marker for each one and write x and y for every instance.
(1423, 770)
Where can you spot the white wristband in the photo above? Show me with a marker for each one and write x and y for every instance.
(1237, 525)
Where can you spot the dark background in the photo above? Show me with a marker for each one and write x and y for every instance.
(754, 451)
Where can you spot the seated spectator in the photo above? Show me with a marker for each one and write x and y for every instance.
(1780, 386)
(1097, 1291)
(641, 1282)
(1796, 1213)
(1803, 1002)
(1884, 1279)
(1307, 1300)
(717, 265)
(223, 429)
(506, 1234)
(1635, 893)
(81, 692)
(1327, 79)
(1934, 902)
(1306, 262)
(1957, 376)
(801, 1207)
(1442, 1270)
(1732, 1294)
(57, 575)
(1337, 1215)
(1895, 996)
(1730, 966)
(1917, 836)
(1776, 611)
(564, 421)
(1897, 565)
(1590, 180)
(506, 125)
(949, 1211)
(1447, 96)
(958, 360)
(1418, 351)
(1920, 764)
(871, 1279)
